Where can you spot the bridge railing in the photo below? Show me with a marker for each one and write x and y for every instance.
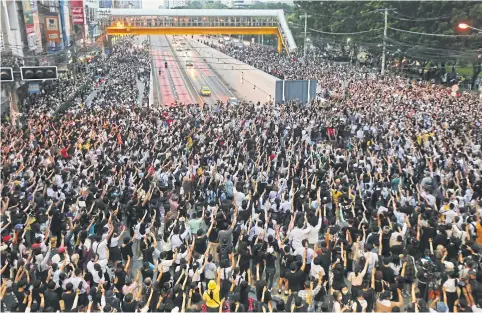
(189, 21)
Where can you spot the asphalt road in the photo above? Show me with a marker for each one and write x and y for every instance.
(181, 83)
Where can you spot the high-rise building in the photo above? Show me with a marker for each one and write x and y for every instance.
(242, 3)
(128, 4)
(14, 36)
(106, 4)
(171, 4)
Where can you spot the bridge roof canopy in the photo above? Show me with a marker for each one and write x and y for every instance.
(279, 14)
(193, 12)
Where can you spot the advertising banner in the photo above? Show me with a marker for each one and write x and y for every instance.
(28, 17)
(29, 25)
(78, 16)
(105, 4)
(33, 88)
(38, 30)
(33, 5)
(65, 22)
(76, 3)
(77, 9)
(52, 29)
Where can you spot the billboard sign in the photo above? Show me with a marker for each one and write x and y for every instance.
(77, 8)
(76, 3)
(52, 29)
(78, 16)
(33, 87)
(28, 17)
(105, 4)
(32, 25)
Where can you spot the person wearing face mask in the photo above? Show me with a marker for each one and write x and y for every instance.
(338, 306)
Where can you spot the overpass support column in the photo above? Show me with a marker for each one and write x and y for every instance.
(280, 44)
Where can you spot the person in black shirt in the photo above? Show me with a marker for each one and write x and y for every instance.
(129, 304)
(258, 254)
(68, 297)
(146, 271)
(296, 277)
(284, 262)
(299, 305)
(263, 295)
(121, 274)
(236, 305)
(52, 299)
(213, 238)
(244, 255)
(270, 265)
(388, 273)
(147, 248)
(126, 248)
(200, 242)
(19, 292)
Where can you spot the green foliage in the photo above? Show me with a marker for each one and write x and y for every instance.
(288, 9)
(203, 5)
(433, 17)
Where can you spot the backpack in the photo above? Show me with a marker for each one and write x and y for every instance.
(211, 196)
(229, 188)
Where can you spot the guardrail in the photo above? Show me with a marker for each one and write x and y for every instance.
(69, 103)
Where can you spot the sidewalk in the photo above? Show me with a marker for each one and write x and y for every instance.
(140, 87)
(91, 96)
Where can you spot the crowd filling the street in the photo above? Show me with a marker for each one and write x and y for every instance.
(365, 199)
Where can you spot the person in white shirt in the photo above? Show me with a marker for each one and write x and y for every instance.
(298, 234)
(177, 239)
(313, 236)
(239, 197)
(97, 269)
(316, 268)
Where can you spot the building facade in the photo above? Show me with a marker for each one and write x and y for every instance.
(127, 4)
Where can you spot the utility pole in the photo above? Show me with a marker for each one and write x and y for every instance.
(384, 41)
(306, 16)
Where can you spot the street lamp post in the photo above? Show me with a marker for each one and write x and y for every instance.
(306, 16)
(467, 26)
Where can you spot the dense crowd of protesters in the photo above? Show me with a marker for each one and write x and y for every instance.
(367, 199)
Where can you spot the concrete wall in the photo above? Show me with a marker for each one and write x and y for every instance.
(249, 83)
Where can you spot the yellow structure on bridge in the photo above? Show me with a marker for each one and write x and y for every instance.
(216, 30)
(198, 22)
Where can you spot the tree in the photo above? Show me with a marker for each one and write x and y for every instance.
(288, 9)
(432, 17)
(215, 5)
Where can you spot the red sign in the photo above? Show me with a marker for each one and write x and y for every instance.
(76, 3)
(30, 28)
(78, 16)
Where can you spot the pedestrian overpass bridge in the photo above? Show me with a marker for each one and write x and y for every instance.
(197, 22)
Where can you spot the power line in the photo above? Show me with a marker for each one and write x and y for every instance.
(428, 19)
(428, 34)
(413, 18)
(331, 33)
(436, 49)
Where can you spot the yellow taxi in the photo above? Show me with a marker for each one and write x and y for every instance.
(205, 91)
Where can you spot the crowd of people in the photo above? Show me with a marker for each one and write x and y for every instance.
(366, 199)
